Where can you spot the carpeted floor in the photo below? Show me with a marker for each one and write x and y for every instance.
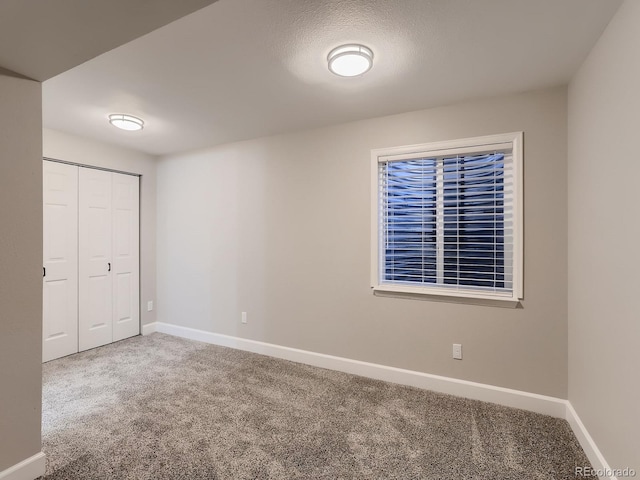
(161, 407)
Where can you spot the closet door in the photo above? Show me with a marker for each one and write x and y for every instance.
(60, 260)
(125, 273)
(95, 263)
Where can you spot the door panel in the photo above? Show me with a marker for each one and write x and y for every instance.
(95, 259)
(60, 260)
(126, 276)
(124, 287)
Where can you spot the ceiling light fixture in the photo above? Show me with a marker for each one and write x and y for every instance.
(126, 122)
(350, 60)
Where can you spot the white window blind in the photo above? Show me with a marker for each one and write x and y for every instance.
(447, 220)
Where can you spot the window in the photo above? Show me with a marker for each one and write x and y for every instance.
(447, 218)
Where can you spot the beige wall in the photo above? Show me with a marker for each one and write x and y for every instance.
(279, 227)
(604, 240)
(20, 269)
(64, 146)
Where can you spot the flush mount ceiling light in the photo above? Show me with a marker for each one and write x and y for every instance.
(126, 122)
(350, 60)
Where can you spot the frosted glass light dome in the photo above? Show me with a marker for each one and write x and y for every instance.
(126, 122)
(350, 60)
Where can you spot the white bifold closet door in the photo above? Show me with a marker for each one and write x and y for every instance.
(125, 242)
(96, 284)
(90, 258)
(108, 255)
(60, 260)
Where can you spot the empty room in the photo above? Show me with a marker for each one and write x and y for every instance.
(319, 239)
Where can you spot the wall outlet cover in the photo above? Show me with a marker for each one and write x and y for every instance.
(457, 351)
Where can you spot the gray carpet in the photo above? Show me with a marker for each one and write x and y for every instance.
(160, 407)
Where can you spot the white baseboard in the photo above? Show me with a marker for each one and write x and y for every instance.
(555, 407)
(587, 443)
(29, 469)
(149, 328)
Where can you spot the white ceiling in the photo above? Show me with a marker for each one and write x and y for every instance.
(241, 69)
(42, 38)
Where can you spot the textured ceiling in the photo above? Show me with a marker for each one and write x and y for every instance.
(241, 69)
(42, 38)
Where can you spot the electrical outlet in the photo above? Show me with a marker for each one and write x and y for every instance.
(244, 317)
(457, 351)
(149, 305)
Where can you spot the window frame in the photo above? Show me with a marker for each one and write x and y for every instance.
(515, 139)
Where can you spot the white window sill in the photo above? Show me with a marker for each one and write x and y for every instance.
(442, 295)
